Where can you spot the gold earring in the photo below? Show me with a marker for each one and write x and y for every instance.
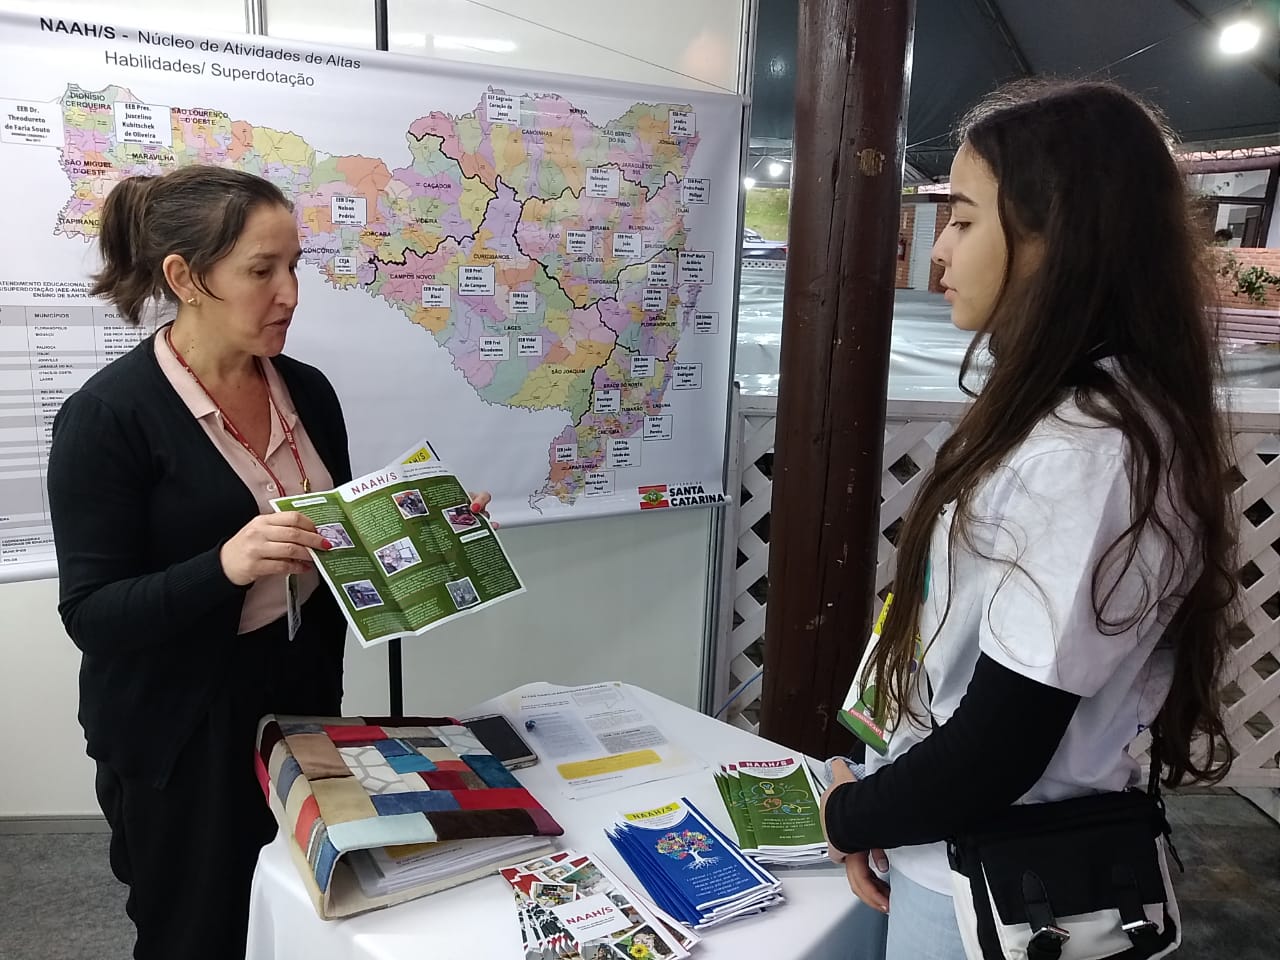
(191, 301)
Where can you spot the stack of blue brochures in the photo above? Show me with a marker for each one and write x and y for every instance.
(691, 869)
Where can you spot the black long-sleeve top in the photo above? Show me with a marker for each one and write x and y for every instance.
(141, 502)
(948, 782)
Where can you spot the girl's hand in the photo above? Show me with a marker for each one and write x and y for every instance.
(865, 885)
(868, 888)
(840, 773)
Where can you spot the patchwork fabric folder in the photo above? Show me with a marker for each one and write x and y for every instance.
(338, 785)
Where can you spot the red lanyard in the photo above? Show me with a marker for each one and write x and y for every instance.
(232, 429)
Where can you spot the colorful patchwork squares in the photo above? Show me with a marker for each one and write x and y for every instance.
(306, 820)
(454, 764)
(420, 742)
(389, 830)
(446, 780)
(514, 798)
(370, 767)
(289, 729)
(353, 734)
(410, 763)
(437, 753)
(325, 856)
(490, 769)
(268, 739)
(353, 783)
(393, 748)
(422, 802)
(317, 756)
(342, 799)
(461, 741)
(459, 824)
(289, 772)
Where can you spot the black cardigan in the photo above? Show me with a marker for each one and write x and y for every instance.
(141, 502)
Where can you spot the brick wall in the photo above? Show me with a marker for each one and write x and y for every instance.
(1266, 257)
(906, 231)
(935, 271)
(941, 212)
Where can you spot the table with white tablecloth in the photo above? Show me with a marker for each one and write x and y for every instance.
(477, 921)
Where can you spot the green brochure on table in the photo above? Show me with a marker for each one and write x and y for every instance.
(731, 793)
(407, 554)
(782, 803)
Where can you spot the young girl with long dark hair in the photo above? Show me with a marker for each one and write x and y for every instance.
(1064, 574)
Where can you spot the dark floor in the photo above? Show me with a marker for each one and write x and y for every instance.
(1230, 894)
(58, 900)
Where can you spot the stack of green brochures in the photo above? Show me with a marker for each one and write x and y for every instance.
(773, 805)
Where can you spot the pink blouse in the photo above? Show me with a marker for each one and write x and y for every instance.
(265, 599)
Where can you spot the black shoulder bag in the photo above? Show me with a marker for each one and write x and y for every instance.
(1079, 879)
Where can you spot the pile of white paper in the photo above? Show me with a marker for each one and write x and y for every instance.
(600, 738)
(386, 870)
(690, 868)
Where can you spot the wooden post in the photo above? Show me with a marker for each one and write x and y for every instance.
(850, 136)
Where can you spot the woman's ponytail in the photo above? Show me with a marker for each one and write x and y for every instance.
(127, 278)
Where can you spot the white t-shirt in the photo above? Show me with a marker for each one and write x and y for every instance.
(1056, 504)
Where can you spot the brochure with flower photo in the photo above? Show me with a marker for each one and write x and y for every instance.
(571, 906)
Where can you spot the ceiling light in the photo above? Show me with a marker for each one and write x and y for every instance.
(748, 182)
(775, 168)
(1239, 37)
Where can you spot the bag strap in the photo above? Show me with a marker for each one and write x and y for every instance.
(1047, 937)
(1153, 774)
(928, 685)
(984, 915)
(1143, 933)
(1153, 791)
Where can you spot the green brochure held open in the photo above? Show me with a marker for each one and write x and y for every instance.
(407, 552)
(869, 722)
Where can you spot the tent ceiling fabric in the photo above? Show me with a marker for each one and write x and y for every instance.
(961, 53)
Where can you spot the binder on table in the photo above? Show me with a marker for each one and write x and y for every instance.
(379, 810)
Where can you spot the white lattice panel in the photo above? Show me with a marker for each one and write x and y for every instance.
(914, 431)
(1253, 717)
(740, 654)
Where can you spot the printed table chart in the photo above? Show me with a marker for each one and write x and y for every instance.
(46, 354)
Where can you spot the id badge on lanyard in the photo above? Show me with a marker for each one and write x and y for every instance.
(293, 608)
